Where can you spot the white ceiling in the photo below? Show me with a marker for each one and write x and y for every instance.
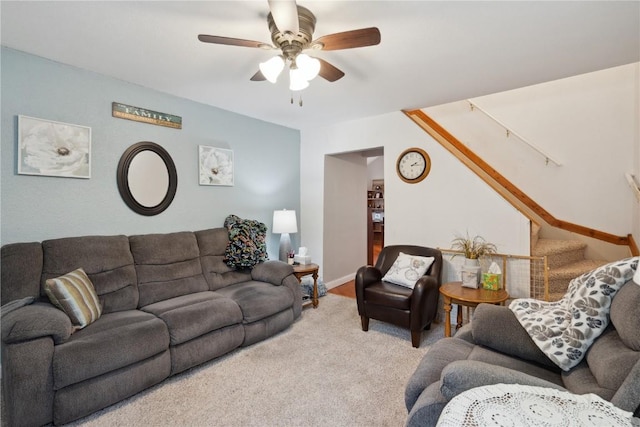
(432, 52)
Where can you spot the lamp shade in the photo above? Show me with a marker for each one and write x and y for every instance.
(310, 67)
(297, 80)
(272, 68)
(284, 221)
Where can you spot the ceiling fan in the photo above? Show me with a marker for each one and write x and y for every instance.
(292, 29)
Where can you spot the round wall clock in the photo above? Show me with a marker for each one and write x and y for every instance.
(413, 165)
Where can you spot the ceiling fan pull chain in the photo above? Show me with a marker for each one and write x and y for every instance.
(291, 98)
(300, 102)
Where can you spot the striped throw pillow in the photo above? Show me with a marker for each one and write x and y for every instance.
(74, 294)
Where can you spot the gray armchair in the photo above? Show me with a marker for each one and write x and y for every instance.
(415, 308)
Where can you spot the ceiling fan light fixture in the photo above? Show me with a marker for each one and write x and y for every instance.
(297, 80)
(272, 68)
(310, 67)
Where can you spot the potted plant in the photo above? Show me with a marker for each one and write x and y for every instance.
(474, 247)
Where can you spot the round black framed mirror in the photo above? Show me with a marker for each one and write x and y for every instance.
(147, 178)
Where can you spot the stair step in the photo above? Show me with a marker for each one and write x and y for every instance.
(560, 277)
(560, 252)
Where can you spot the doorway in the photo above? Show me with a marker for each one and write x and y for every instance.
(375, 208)
(345, 213)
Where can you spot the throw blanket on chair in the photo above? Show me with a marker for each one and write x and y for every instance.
(565, 329)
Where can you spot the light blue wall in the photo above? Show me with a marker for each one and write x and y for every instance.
(35, 208)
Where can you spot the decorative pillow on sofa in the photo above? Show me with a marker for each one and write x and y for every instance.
(407, 269)
(74, 294)
(247, 245)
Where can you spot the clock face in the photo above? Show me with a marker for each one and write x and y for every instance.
(413, 165)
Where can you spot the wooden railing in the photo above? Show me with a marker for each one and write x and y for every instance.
(499, 183)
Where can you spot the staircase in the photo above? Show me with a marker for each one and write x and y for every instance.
(565, 260)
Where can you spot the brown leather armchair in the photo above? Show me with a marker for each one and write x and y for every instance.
(410, 308)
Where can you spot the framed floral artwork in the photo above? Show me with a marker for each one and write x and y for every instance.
(51, 148)
(215, 165)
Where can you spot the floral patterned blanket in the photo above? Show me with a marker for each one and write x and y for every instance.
(565, 329)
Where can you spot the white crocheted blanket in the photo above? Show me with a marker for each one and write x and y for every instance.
(528, 406)
(565, 329)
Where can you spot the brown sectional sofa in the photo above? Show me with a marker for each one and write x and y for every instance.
(169, 303)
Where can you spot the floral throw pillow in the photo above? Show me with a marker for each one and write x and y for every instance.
(247, 246)
(407, 269)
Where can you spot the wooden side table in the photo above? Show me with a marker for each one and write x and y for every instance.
(455, 293)
(301, 270)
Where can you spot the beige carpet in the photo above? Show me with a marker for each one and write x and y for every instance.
(322, 371)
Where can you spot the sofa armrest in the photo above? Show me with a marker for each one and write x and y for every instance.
(512, 338)
(273, 272)
(367, 275)
(36, 321)
(463, 375)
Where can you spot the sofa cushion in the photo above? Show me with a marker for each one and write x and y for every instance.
(258, 300)
(247, 245)
(107, 261)
(213, 243)
(21, 268)
(610, 360)
(496, 327)
(193, 315)
(483, 354)
(114, 341)
(625, 315)
(74, 294)
(167, 265)
(389, 295)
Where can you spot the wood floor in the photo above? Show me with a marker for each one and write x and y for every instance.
(346, 290)
(349, 289)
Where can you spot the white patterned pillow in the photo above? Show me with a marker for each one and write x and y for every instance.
(74, 294)
(407, 269)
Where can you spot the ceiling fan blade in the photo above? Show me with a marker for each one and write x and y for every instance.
(349, 39)
(258, 77)
(285, 15)
(329, 72)
(232, 42)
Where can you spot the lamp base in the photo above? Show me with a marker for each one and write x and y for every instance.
(285, 247)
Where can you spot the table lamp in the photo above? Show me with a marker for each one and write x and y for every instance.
(284, 222)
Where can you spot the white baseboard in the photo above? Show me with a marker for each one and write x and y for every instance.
(340, 281)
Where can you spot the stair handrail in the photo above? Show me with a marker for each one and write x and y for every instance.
(510, 132)
(631, 179)
(440, 134)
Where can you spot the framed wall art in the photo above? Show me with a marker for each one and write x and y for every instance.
(215, 165)
(51, 148)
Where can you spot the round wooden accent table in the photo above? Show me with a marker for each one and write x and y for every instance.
(455, 293)
(300, 270)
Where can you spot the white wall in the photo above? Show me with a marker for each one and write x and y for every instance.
(450, 201)
(588, 123)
